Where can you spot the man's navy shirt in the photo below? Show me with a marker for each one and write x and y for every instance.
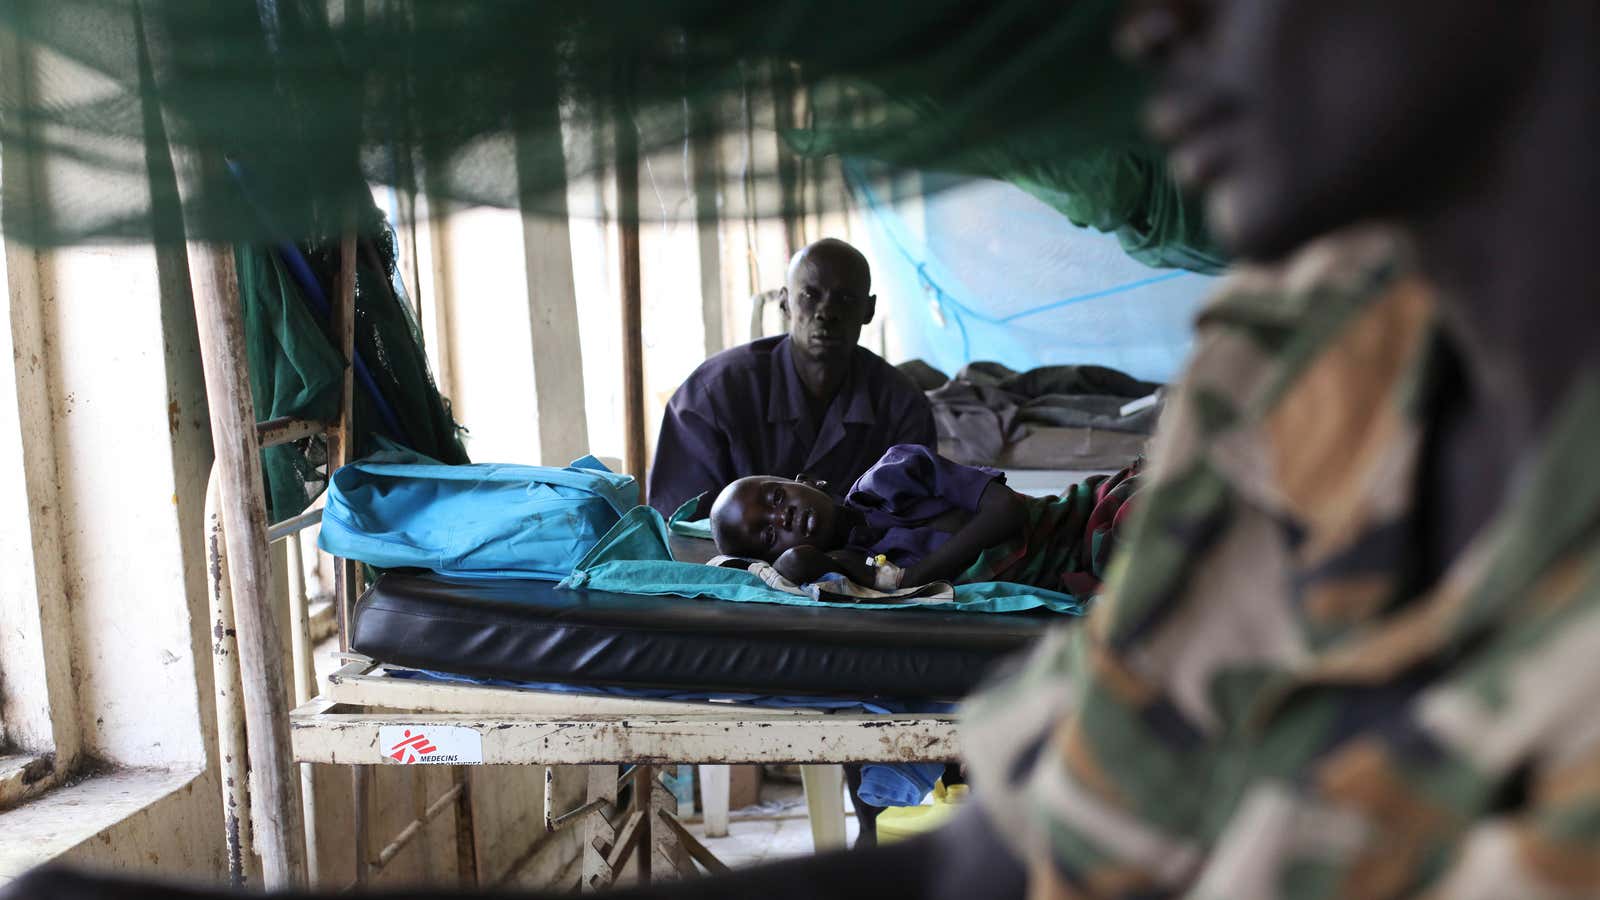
(744, 412)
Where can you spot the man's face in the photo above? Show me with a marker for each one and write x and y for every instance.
(761, 517)
(1296, 118)
(828, 299)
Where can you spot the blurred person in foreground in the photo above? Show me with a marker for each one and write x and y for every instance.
(1351, 646)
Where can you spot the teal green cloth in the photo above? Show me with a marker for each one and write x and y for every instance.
(403, 510)
(680, 523)
(640, 535)
(633, 558)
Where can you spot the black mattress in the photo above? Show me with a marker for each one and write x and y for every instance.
(529, 630)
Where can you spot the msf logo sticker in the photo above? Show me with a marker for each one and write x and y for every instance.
(407, 751)
(433, 745)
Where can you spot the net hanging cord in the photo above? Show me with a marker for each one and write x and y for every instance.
(650, 171)
(747, 178)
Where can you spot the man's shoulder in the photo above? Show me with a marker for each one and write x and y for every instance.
(742, 361)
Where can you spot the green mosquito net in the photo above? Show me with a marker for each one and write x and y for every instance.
(504, 103)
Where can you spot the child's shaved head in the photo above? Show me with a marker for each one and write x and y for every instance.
(760, 517)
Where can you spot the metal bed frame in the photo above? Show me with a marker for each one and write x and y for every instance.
(363, 700)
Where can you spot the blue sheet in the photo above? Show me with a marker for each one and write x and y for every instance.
(402, 510)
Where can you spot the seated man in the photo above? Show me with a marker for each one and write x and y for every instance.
(811, 401)
(917, 517)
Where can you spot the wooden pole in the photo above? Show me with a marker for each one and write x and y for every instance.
(341, 438)
(341, 448)
(627, 157)
(707, 166)
(244, 517)
(783, 83)
(466, 833)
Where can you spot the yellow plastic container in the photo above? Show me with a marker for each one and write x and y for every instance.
(900, 822)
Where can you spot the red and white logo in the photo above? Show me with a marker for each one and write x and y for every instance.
(407, 750)
(430, 745)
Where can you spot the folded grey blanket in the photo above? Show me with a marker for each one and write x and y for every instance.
(1052, 417)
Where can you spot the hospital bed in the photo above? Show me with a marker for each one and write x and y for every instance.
(272, 718)
(369, 715)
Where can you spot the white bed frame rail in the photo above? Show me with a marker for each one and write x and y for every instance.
(365, 706)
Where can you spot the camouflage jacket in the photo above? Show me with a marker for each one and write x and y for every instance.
(1256, 708)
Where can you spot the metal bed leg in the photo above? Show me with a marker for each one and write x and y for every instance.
(308, 803)
(304, 688)
(825, 802)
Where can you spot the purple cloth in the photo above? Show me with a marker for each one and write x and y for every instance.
(904, 492)
(744, 412)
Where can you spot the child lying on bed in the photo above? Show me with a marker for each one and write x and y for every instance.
(916, 517)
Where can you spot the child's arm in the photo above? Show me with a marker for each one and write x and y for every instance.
(805, 564)
(1000, 516)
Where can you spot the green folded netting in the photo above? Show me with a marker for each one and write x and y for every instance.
(295, 370)
(469, 101)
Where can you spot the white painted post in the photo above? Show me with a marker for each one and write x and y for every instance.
(232, 748)
(562, 422)
(433, 277)
(715, 783)
(305, 686)
(825, 801)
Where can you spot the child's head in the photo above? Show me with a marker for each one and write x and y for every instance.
(759, 517)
